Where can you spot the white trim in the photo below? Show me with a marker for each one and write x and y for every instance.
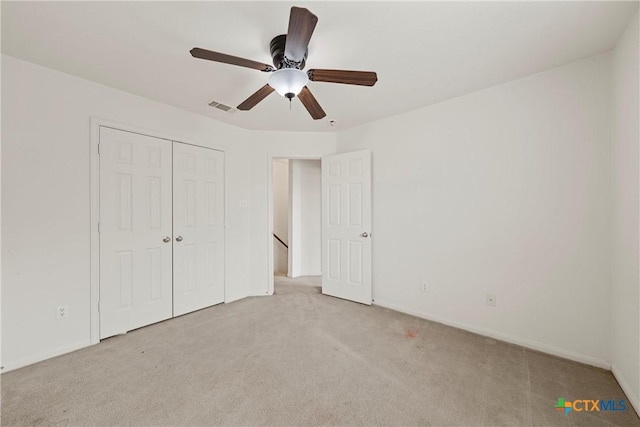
(270, 158)
(624, 385)
(292, 246)
(534, 345)
(229, 301)
(294, 231)
(94, 245)
(94, 256)
(270, 255)
(155, 133)
(59, 351)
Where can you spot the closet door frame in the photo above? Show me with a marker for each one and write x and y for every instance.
(94, 252)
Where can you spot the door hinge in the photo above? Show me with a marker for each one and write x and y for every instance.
(98, 149)
(98, 306)
(98, 226)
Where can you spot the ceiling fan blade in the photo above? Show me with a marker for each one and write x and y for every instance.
(210, 55)
(258, 96)
(363, 78)
(310, 103)
(301, 26)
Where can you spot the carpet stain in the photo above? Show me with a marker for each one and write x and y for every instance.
(411, 333)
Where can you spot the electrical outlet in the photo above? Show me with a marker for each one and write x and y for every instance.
(425, 285)
(491, 300)
(62, 312)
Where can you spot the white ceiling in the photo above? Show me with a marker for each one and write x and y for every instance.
(423, 52)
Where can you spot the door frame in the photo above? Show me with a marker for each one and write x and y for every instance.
(94, 192)
(270, 158)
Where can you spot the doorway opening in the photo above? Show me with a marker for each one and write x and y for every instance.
(295, 221)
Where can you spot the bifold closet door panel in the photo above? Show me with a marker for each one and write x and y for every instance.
(198, 228)
(135, 231)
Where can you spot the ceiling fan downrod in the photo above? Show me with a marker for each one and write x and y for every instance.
(277, 47)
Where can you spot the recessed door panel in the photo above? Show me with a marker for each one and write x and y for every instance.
(333, 169)
(354, 263)
(154, 157)
(354, 208)
(125, 201)
(212, 255)
(334, 259)
(211, 202)
(189, 267)
(188, 204)
(125, 278)
(333, 205)
(154, 261)
(355, 167)
(154, 202)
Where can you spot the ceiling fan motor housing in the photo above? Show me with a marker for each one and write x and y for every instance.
(277, 46)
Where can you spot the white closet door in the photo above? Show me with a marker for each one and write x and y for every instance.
(346, 226)
(198, 228)
(135, 230)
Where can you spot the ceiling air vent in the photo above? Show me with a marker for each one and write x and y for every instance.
(219, 106)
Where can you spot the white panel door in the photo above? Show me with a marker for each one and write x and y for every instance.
(135, 231)
(346, 226)
(198, 228)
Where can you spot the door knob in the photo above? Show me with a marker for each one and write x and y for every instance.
(365, 234)
(166, 239)
(179, 239)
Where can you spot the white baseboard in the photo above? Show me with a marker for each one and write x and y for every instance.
(261, 294)
(235, 298)
(20, 363)
(624, 385)
(534, 345)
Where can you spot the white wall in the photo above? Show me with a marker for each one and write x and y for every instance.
(305, 213)
(46, 199)
(625, 309)
(310, 217)
(46, 204)
(295, 205)
(504, 191)
(280, 214)
(507, 190)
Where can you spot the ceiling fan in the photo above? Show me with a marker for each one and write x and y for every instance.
(289, 53)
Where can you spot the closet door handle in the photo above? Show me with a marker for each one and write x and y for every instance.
(179, 239)
(166, 239)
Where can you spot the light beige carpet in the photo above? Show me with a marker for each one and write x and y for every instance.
(301, 358)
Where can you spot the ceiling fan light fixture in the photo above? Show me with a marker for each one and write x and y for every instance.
(289, 53)
(288, 82)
